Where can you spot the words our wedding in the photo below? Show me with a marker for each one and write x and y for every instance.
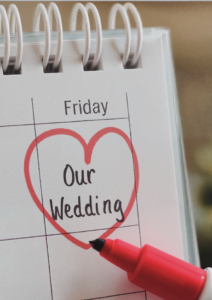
(90, 208)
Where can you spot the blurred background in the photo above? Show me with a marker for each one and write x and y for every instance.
(190, 24)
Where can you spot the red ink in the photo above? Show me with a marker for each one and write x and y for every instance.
(88, 150)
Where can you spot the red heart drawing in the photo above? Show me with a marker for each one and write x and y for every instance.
(88, 150)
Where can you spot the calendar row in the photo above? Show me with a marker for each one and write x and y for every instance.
(27, 263)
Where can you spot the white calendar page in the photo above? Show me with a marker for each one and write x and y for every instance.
(84, 155)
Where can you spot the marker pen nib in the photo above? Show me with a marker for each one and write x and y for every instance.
(97, 244)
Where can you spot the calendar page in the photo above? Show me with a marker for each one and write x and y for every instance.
(84, 155)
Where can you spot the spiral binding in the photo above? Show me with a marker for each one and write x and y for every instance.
(12, 23)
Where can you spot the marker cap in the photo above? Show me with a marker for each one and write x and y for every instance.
(155, 271)
(167, 276)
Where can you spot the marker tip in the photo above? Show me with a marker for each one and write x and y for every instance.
(97, 244)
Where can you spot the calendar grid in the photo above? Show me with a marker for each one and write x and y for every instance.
(34, 124)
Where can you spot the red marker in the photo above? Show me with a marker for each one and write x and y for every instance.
(157, 272)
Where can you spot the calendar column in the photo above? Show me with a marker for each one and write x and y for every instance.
(23, 255)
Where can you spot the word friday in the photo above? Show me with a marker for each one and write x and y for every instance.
(85, 107)
(72, 177)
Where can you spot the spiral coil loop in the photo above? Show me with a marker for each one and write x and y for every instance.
(53, 9)
(112, 20)
(3, 16)
(41, 11)
(86, 26)
(14, 17)
(47, 20)
(137, 18)
(73, 24)
(15, 20)
(92, 7)
(123, 10)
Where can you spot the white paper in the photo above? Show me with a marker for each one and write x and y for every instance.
(127, 166)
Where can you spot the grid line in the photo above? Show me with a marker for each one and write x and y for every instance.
(134, 174)
(64, 233)
(44, 219)
(134, 169)
(110, 296)
(63, 122)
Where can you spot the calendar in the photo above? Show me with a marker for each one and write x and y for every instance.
(87, 154)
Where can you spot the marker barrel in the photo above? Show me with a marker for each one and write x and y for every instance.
(155, 271)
